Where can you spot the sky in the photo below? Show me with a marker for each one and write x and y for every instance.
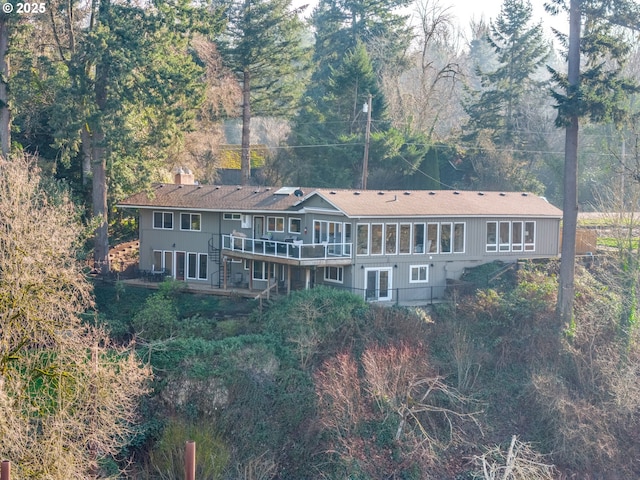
(467, 10)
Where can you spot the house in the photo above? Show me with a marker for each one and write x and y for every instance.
(389, 246)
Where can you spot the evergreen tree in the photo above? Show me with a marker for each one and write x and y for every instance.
(355, 42)
(500, 110)
(263, 46)
(597, 92)
(125, 86)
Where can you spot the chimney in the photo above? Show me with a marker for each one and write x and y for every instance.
(183, 177)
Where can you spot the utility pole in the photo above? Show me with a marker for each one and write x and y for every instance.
(367, 135)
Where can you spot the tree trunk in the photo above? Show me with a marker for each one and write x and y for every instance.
(99, 161)
(5, 113)
(245, 160)
(566, 291)
(85, 137)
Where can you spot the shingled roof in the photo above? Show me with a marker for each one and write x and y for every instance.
(353, 203)
(391, 203)
(212, 197)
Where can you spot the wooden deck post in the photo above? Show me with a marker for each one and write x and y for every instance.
(5, 472)
(224, 273)
(288, 279)
(307, 278)
(189, 460)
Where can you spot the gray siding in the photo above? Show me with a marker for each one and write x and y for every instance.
(416, 276)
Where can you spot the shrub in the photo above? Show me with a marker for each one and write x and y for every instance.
(167, 456)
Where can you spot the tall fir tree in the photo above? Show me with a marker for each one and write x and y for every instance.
(263, 45)
(499, 110)
(125, 87)
(355, 41)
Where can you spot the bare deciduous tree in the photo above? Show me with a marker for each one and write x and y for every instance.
(67, 394)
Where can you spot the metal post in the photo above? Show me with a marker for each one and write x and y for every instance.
(5, 472)
(189, 461)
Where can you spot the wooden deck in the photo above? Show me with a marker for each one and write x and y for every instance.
(197, 288)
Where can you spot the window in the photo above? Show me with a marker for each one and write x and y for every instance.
(504, 236)
(458, 238)
(432, 237)
(511, 236)
(390, 239)
(190, 221)
(492, 236)
(295, 225)
(376, 239)
(330, 232)
(405, 238)
(232, 216)
(192, 265)
(333, 274)
(418, 238)
(162, 260)
(529, 236)
(516, 237)
(163, 220)
(275, 224)
(245, 221)
(197, 266)
(419, 274)
(260, 270)
(445, 238)
(363, 239)
(202, 266)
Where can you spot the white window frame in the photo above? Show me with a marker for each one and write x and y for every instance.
(418, 268)
(492, 247)
(195, 274)
(529, 246)
(291, 223)
(387, 243)
(464, 237)
(163, 213)
(405, 224)
(245, 221)
(278, 224)
(517, 247)
(232, 216)
(164, 255)
(433, 248)
(191, 216)
(381, 252)
(339, 274)
(366, 246)
(440, 236)
(203, 275)
(264, 270)
(389, 296)
(502, 246)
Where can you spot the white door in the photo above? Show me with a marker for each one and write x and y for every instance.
(378, 286)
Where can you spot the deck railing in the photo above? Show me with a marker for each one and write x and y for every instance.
(286, 249)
